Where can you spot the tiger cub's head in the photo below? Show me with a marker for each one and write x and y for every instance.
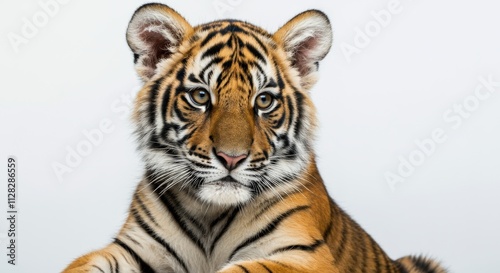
(225, 112)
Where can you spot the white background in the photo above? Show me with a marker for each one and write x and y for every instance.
(73, 74)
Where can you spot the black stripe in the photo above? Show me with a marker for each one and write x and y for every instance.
(181, 141)
(143, 266)
(257, 160)
(180, 89)
(173, 209)
(117, 268)
(243, 268)
(218, 219)
(181, 73)
(111, 267)
(402, 268)
(257, 169)
(258, 40)
(208, 38)
(290, 111)
(179, 112)
(266, 154)
(363, 253)
(328, 229)
(307, 248)
(186, 214)
(159, 240)
(377, 253)
(153, 96)
(300, 110)
(168, 126)
(268, 229)
(211, 26)
(285, 139)
(354, 255)
(219, 79)
(245, 78)
(224, 229)
(249, 80)
(280, 263)
(201, 156)
(281, 83)
(344, 233)
(261, 77)
(194, 79)
(268, 205)
(262, 72)
(154, 143)
(194, 39)
(268, 138)
(271, 84)
(291, 152)
(98, 268)
(165, 102)
(231, 28)
(132, 239)
(213, 50)
(256, 53)
(243, 65)
(422, 264)
(214, 60)
(279, 122)
(388, 265)
(146, 211)
(201, 165)
(265, 267)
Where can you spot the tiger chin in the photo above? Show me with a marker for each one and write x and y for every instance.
(225, 125)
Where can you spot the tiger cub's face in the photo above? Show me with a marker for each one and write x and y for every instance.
(225, 112)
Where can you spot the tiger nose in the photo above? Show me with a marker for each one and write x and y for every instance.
(230, 162)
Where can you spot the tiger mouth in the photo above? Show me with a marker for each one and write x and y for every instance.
(228, 180)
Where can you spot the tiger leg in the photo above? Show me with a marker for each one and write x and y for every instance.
(112, 259)
(291, 261)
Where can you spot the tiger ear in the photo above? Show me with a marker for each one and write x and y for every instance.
(306, 39)
(155, 33)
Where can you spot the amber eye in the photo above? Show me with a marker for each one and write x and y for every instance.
(264, 101)
(200, 96)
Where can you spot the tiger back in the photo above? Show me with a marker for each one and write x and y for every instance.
(225, 126)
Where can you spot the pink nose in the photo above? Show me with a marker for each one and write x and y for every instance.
(230, 162)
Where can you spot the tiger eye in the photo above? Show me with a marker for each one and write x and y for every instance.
(264, 101)
(200, 96)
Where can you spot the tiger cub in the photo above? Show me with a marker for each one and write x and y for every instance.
(225, 125)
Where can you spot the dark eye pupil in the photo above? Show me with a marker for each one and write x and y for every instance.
(200, 96)
(264, 101)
